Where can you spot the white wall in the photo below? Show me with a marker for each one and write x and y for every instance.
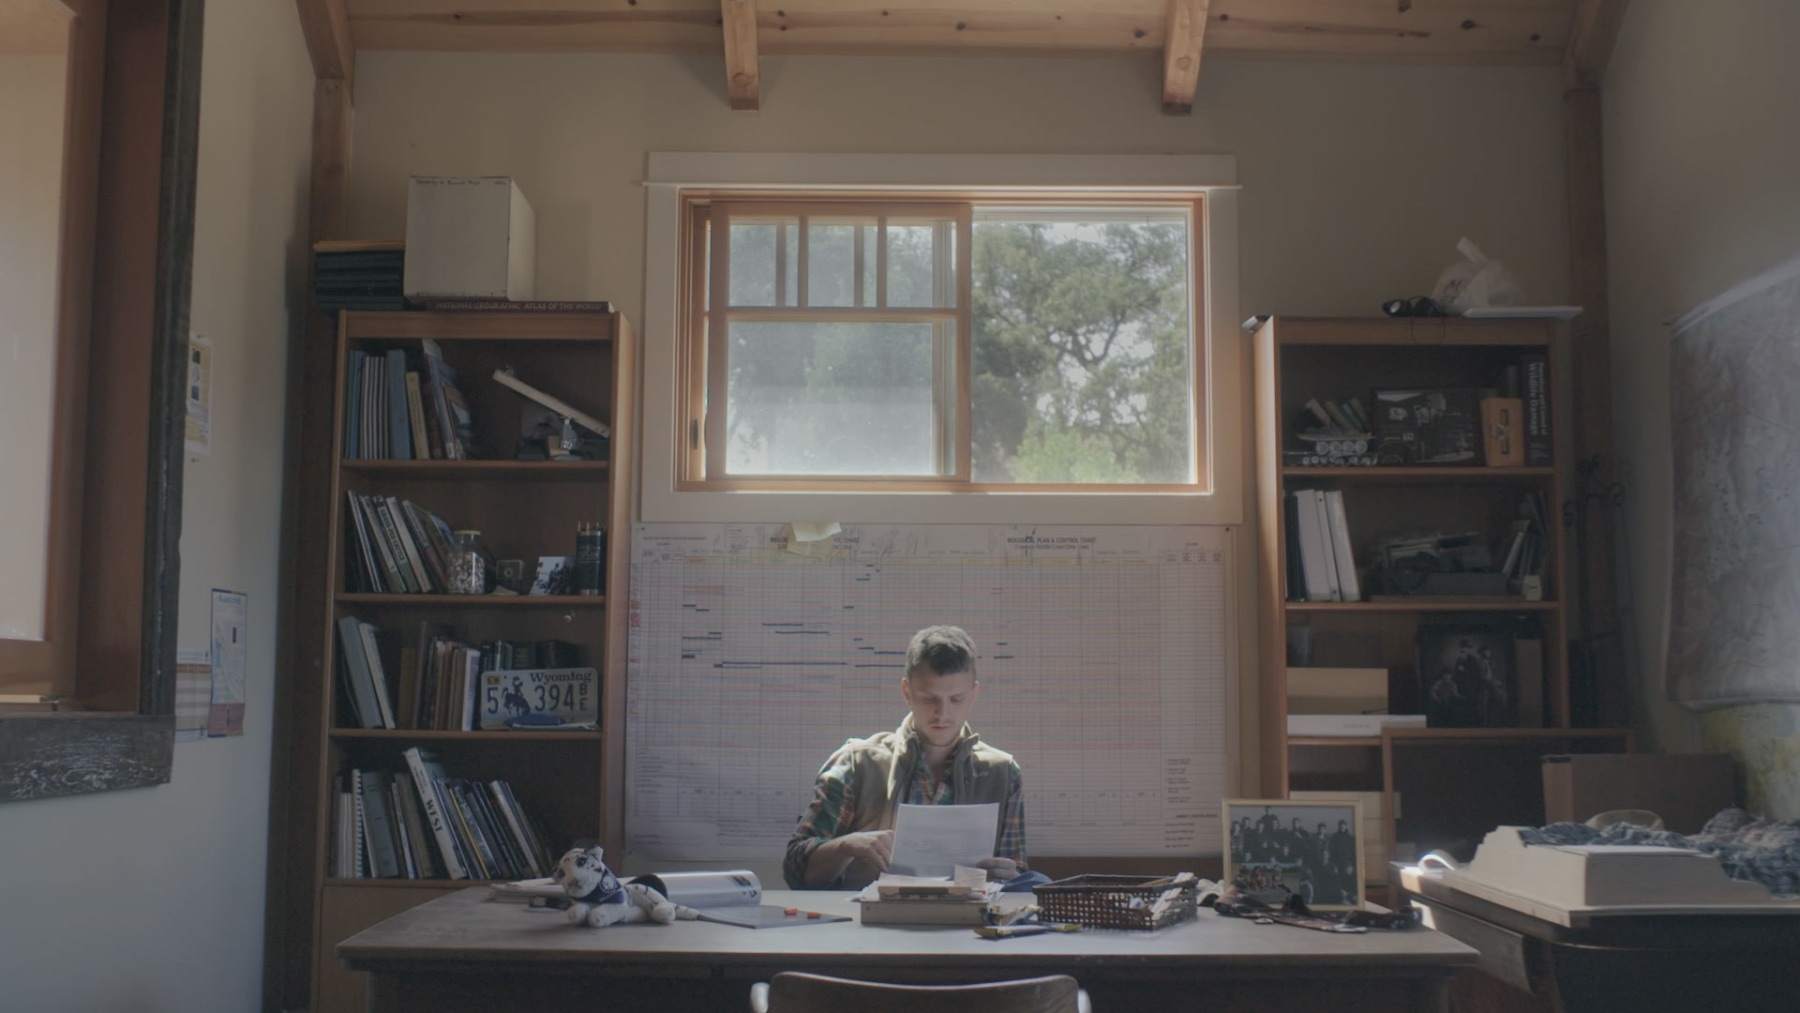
(1703, 191)
(152, 900)
(31, 122)
(1357, 180)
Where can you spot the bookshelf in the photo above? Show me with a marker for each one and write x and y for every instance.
(568, 782)
(1452, 783)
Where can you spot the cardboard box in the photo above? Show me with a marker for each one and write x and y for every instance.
(469, 238)
(1316, 690)
(1685, 790)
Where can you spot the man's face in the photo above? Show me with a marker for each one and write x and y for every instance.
(940, 703)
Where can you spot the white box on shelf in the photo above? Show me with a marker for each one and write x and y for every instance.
(469, 238)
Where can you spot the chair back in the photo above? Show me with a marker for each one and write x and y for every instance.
(798, 992)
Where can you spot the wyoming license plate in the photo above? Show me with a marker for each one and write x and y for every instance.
(539, 697)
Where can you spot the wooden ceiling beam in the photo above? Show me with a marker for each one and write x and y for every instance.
(326, 26)
(1183, 39)
(1591, 37)
(741, 82)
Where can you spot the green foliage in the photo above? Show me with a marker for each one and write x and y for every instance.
(1082, 368)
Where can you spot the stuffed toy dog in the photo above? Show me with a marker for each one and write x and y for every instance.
(599, 899)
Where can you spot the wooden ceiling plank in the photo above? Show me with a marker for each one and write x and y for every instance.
(1591, 36)
(1182, 43)
(326, 27)
(739, 25)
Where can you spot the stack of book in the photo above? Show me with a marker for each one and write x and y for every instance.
(398, 547)
(927, 903)
(359, 274)
(435, 682)
(418, 823)
(1333, 433)
(406, 405)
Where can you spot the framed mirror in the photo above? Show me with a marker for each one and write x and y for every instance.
(102, 247)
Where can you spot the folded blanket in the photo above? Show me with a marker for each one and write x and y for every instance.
(1747, 847)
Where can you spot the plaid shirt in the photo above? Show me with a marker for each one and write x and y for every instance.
(835, 803)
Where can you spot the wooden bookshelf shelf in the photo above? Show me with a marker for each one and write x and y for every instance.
(477, 601)
(1423, 603)
(1421, 474)
(475, 471)
(1336, 741)
(495, 735)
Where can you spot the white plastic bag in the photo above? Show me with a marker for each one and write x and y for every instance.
(1475, 282)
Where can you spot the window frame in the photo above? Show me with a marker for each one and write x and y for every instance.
(667, 492)
(132, 134)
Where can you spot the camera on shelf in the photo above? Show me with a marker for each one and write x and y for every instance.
(1439, 564)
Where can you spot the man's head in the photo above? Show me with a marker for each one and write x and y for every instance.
(940, 684)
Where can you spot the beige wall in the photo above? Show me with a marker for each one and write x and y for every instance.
(152, 900)
(1703, 191)
(31, 124)
(1357, 181)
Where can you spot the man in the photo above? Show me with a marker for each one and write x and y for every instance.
(846, 838)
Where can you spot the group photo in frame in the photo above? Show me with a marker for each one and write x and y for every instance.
(1277, 848)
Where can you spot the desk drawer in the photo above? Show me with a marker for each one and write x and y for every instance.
(1502, 951)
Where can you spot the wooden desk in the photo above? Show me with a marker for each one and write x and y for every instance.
(463, 953)
(1674, 963)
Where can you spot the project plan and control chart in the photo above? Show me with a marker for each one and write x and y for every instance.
(1104, 655)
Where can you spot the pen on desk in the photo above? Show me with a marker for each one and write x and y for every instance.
(1028, 929)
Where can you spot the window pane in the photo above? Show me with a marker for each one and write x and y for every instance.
(1082, 370)
(33, 70)
(831, 265)
(913, 266)
(787, 259)
(867, 236)
(830, 399)
(752, 264)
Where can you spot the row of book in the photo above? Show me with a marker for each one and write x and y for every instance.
(405, 405)
(1321, 566)
(359, 274)
(419, 823)
(398, 547)
(440, 680)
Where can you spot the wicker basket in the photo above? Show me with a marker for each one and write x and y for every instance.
(1118, 902)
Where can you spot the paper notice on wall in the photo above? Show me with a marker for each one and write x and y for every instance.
(193, 694)
(226, 715)
(199, 396)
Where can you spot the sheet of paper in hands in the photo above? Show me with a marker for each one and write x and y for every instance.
(932, 840)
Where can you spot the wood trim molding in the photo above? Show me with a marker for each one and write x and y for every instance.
(738, 19)
(326, 26)
(1591, 38)
(1183, 38)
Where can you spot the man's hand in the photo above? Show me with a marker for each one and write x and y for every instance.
(999, 868)
(829, 860)
(873, 846)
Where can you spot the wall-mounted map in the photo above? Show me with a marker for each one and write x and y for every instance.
(1734, 622)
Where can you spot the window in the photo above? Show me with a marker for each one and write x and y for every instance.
(962, 458)
(1023, 343)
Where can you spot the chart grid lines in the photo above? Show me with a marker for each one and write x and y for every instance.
(1104, 655)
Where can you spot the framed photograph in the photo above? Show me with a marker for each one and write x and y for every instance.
(1467, 676)
(552, 575)
(1277, 848)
